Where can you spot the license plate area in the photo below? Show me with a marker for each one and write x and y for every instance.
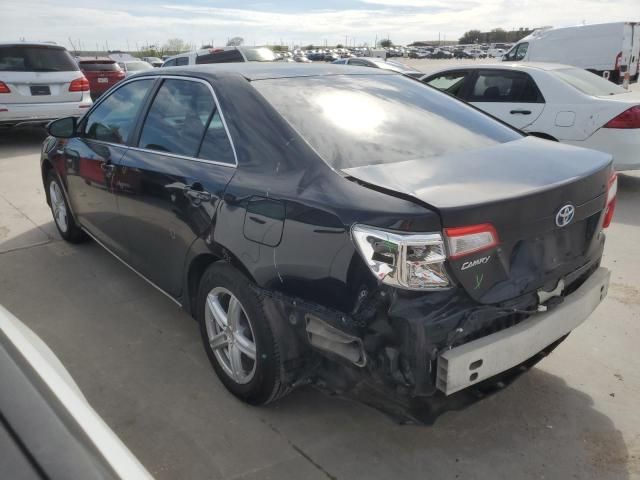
(40, 90)
(103, 80)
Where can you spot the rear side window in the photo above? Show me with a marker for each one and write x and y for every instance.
(357, 120)
(225, 56)
(100, 66)
(504, 86)
(216, 145)
(113, 120)
(18, 58)
(177, 118)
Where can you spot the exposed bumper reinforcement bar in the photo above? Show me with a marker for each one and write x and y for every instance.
(480, 359)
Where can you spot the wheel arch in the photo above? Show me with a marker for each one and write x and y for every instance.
(201, 257)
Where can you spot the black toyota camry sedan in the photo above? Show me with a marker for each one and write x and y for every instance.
(339, 226)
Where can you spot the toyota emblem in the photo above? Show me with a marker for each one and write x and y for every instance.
(565, 215)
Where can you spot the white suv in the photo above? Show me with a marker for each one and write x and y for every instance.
(40, 82)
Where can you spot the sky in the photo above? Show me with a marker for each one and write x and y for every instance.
(128, 25)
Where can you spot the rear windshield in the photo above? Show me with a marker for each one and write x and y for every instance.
(588, 82)
(356, 120)
(35, 58)
(105, 66)
(258, 54)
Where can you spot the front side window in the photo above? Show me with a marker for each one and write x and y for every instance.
(113, 120)
(521, 51)
(450, 82)
(504, 86)
(182, 61)
(177, 118)
(357, 120)
(170, 63)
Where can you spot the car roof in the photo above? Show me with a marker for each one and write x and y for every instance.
(506, 66)
(263, 70)
(31, 44)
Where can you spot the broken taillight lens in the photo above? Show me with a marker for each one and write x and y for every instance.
(472, 239)
(411, 261)
(612, 194)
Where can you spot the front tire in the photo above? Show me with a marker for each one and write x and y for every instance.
(237, 337)
(65, 223)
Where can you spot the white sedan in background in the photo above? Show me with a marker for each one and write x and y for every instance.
(553, 101)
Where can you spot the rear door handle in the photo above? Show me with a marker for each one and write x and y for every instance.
(196, 194)
(520, 112)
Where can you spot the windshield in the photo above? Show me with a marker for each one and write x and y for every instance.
(35, 58)
(588, 82)
(258, 54)
(135, 66)
(356, 120)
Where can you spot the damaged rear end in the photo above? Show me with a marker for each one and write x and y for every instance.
(503, 263)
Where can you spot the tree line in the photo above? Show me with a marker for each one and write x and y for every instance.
(497, 35)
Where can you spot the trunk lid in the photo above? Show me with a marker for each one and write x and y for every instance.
(519, 187)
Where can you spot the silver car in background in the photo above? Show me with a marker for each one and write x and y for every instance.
(40, 82)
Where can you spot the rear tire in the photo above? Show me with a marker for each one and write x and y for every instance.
(237, 337)
(62, 217)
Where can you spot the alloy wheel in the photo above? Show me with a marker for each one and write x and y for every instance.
(230, 335)
(58, 207)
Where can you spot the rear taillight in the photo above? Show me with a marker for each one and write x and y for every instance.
(4, 88)
(627, 119)
(405, 260)
(473, 239)
(612, 193)
(79, 85)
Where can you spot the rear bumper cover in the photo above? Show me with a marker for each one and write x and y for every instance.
(14, 114)
(622, 143)
(480, 359)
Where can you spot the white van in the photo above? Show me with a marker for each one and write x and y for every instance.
(607, 49)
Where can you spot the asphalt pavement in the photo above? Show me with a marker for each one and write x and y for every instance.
(139, 361)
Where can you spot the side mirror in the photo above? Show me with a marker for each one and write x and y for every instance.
(63, 127)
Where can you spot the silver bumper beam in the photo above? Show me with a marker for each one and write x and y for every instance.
(480, 359)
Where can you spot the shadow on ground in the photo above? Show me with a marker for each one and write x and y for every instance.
(138, 359)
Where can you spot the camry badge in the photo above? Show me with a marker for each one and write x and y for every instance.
(565, 215)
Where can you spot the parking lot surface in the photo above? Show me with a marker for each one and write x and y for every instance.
(139, 361)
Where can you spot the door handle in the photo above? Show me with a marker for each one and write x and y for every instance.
(195, 194)
(521, 112)
(107, 167)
